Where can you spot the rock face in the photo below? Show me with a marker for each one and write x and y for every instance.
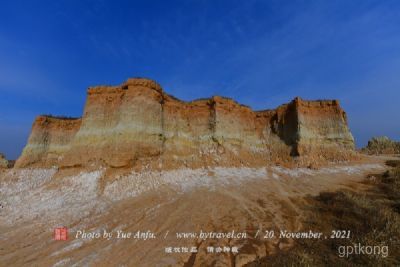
(138, 124)
(382, 145)
(3, 161)
(322, 125)
(48, 142)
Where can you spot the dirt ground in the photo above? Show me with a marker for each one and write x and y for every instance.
(251, 201)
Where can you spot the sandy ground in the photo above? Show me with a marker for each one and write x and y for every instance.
(35, 202)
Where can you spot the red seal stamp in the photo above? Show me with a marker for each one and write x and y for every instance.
(61, 233)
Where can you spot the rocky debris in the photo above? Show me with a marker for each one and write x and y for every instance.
(138, 124)
(382, 145)
(3, 161)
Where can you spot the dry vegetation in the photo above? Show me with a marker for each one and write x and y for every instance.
(372, 216)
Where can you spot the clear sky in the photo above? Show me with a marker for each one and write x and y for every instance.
(261, 53)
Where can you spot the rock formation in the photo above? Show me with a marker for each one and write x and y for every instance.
(382, 145)
(3, 161)
(49, 140)
(137, 124)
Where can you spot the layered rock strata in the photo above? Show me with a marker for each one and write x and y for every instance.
(49, 141)
(137, 124)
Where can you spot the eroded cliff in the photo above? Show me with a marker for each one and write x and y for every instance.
(138, 124)
(49, 141)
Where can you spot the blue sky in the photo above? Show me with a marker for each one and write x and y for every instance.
(261, 53)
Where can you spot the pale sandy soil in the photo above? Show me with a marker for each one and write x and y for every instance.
(34, 202)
